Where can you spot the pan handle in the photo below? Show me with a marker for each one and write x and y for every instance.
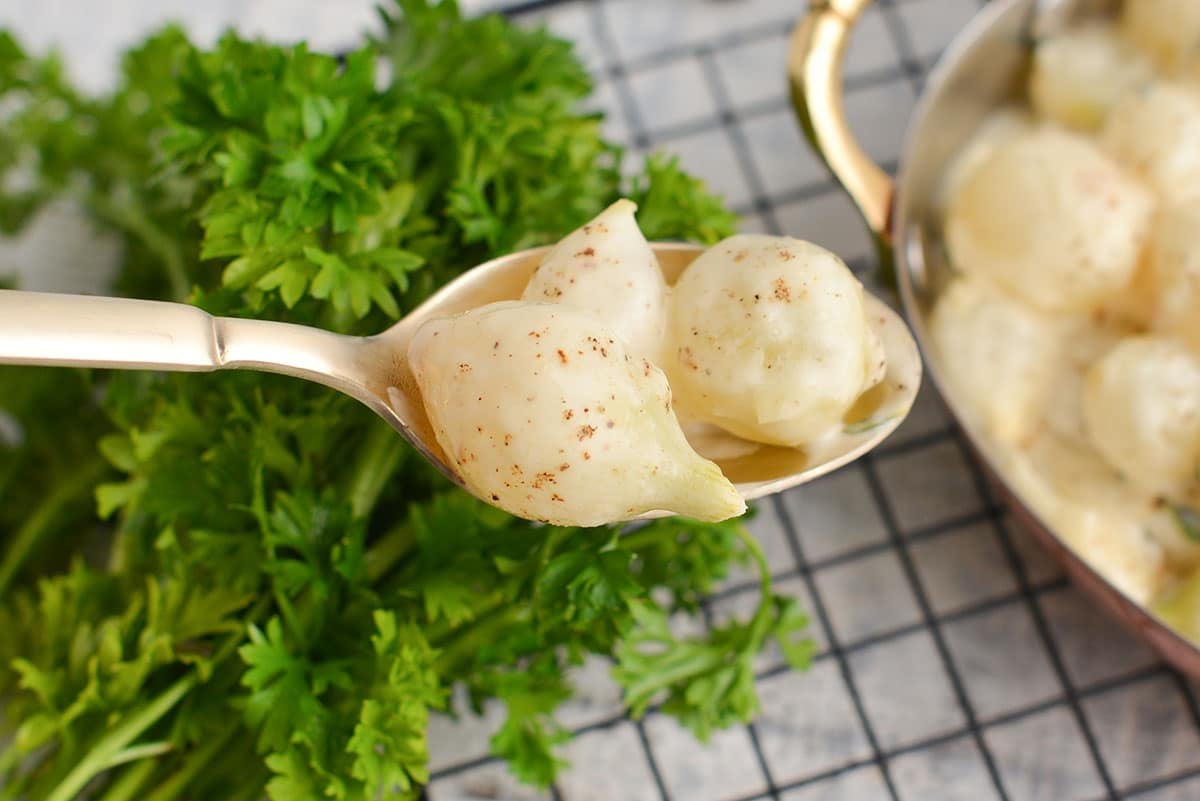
(815, 56)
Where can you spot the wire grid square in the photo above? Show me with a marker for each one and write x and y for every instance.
(906, 690)
(1129, 722)
(876, 112)
(1001, 658)
(958, 567)
(671, 95)
(808, 725)
(751, 72)
(929, 486)
(832, 519)
(613, 126)
(770, 133)
(931, 24)
(996, 681)
(1043, 756)
(950, 770)
(1094, 649)
(868, 596)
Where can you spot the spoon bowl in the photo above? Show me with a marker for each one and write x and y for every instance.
(84, 331)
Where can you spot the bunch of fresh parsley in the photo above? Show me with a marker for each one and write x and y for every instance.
(217, 586)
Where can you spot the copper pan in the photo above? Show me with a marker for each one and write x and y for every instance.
(984, 67)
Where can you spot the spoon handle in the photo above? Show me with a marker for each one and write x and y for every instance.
(87, 331)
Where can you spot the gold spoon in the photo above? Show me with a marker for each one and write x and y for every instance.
(40, 328)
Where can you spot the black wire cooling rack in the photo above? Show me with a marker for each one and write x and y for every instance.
(955, 662)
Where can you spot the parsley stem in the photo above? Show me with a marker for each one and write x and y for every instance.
(483, 631)
(294, 620)
(130, 783)
(378, 460)
(115, 740)
(388, 549)
(760, 558)
(192, 764)
(8, 761)
(766, 605)
(44, 516)
(138, 752)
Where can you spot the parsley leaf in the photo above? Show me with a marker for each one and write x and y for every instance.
(707, 681)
